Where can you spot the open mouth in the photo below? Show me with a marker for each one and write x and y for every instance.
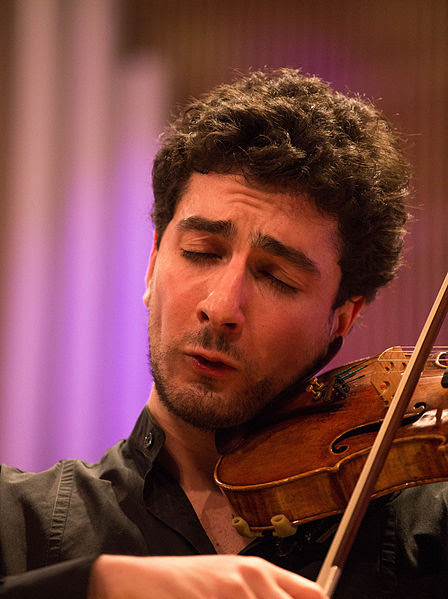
(210, 367)
(210, 363)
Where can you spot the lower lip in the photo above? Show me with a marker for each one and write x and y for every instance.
(214, 369)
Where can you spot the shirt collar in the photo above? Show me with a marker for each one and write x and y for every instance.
(146, 440)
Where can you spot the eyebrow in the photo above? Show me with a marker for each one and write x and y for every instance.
(273, 246)
(267, 243)
(226, 228)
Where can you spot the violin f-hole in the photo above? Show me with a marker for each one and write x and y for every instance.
(374, 427)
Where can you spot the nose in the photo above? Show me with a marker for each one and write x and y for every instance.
(223, 307)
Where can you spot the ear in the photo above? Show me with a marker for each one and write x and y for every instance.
(345, 316)
(149, 271)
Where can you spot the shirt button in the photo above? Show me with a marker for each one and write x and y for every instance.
(148, 440)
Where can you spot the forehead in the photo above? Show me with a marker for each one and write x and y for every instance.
(214, 187)
(252, 207)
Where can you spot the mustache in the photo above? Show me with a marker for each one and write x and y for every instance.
(208, 339)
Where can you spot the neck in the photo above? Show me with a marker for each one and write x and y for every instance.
(189, 453)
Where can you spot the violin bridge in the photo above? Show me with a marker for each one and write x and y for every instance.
(387, 373)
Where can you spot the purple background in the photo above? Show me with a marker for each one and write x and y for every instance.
(87, 88)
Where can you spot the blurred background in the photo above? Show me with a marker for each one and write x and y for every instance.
(87, 86)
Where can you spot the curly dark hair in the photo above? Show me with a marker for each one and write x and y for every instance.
(294, 134)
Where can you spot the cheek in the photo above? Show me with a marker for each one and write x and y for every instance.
(290, 336)
(175, 299)
(275, 338)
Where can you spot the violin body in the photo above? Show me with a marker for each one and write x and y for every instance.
(302, 457)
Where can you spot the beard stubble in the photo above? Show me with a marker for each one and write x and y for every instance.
(201, 404)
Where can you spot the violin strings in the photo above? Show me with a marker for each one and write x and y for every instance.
(357, 378)
(438, 356)
(351, 371)
(408, 349)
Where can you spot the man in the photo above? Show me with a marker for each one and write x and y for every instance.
(279, 211)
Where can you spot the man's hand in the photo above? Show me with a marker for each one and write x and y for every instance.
(195, 577)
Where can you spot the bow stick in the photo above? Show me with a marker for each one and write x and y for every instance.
(337, 554)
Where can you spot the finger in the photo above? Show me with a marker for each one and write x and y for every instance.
(299, 587)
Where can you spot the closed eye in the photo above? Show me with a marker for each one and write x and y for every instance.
(277, 283)
(208, 257)
(199, 256)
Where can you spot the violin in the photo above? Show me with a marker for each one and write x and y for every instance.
(302, 459)
(410, 447)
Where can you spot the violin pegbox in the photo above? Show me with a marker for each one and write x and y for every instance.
(316, 388)
(335, 389)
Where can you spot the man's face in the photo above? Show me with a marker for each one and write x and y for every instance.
(240, 296)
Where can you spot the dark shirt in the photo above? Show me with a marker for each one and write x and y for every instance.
(55, 523)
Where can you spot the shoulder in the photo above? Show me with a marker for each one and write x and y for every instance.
(19, 486)
(39, 493)
(18, 483)
(49, 514)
